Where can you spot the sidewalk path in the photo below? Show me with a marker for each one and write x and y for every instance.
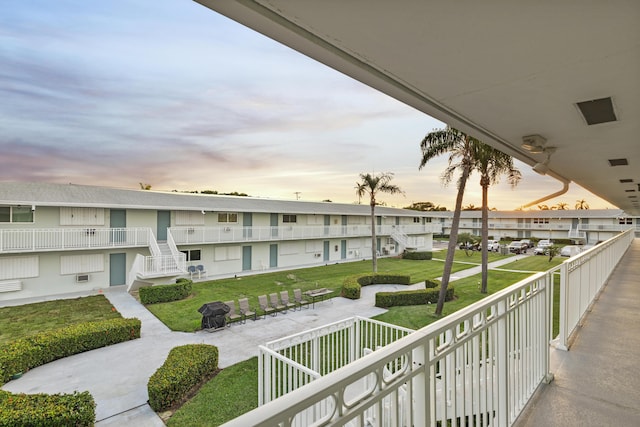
(478, 268)
(117, 376)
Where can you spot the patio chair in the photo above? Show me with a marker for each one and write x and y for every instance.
(232, 315)
(201, 271)
(275, 303)
(265, 307)
(245, 310)
(193, 271)
(297, 297)
(284, 297)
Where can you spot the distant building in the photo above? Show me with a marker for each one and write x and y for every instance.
(582, 226)
(58, 238)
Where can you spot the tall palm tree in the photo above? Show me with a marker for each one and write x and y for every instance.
(490, 163)
(562, 206)
(458, 145)
(582, 204)
(372, 185)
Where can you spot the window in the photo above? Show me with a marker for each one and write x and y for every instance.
(192, 255)
(16, 214)
(541, 220)
(416, 219)
(624, 221)
(289, 218)
(227, 217)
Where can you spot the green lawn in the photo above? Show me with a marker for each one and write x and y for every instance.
(229, 394)
(24, 320)
(183, 315)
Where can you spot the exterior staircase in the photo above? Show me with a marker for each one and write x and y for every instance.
(403, 240)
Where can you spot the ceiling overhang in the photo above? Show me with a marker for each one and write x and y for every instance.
(496, 70)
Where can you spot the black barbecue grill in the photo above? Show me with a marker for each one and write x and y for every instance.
(214, 315)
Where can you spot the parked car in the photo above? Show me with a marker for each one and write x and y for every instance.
(527, 242)
(470, 246)
(541, 249)
(570, 250)
(493, 245)
(517, 247)
(545, 243)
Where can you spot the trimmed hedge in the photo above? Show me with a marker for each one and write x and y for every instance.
(352, 285)
(417, 255)
(165, 293)
(430, 284)
(186, 366)
(40, 410)
(413, 297)
(26, 353)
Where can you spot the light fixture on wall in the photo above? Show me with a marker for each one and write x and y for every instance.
(534, 144)
(543, 167)
(202, 211)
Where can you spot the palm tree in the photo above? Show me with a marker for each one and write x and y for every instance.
(582, 204)
(458, 145)
(543, 207)
(372, 185)
(562, 206)
(490, 163)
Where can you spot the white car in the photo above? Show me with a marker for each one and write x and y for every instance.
(570, 250)
(493, 245)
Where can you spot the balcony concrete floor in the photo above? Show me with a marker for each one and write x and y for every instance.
(597, 382)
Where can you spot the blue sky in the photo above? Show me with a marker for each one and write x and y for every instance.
(176, 96)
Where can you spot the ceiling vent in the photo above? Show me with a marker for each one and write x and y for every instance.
(626, 180)
(618, 162)
(629, 191)
(597, 111)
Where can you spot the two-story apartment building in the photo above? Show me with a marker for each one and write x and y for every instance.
(582, 226)
(59, 238)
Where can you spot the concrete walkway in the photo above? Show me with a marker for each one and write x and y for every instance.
(597, 382)
(117, 376)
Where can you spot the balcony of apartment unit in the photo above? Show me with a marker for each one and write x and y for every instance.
(67, 239)
(514, 226)
(231, 234)
(604, 227)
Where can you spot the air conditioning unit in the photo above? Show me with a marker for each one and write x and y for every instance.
(81, 278)
(227, 229)
(191, 230)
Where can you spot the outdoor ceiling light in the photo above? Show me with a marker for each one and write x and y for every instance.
(543, 167)
(534, 144)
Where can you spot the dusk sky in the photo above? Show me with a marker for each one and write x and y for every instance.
(174, 95)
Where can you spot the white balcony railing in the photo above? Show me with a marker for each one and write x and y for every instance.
(59, 239)
(230, 234)
(603, 227)
(478, 366)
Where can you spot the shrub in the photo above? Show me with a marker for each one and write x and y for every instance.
(186, 366)
(165, 293)
(413, 297)
(26, 353)
(351, 285)
(17, 410)
(429, 284)
(417, 255)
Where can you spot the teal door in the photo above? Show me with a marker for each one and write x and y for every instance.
(327, 224)
(164, 222)
(344, 225)
(326, 250)
(246, 258)
(247, 223)
(117, 269)
(273, 256)
(118, 223)
(343, 249)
